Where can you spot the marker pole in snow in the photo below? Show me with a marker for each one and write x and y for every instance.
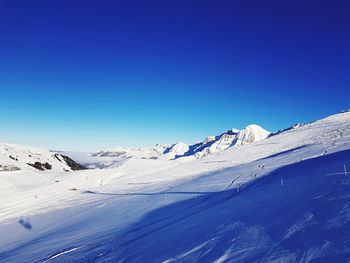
(345, 172)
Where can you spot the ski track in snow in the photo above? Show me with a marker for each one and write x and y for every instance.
(62, 253)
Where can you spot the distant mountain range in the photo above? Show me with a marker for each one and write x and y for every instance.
(212, 144)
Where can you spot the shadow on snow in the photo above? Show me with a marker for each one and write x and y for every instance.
(293, 214)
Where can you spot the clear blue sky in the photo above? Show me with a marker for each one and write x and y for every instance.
(86, 75)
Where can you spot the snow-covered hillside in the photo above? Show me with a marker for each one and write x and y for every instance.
(118, 155)
(281, 199)
(18, 157)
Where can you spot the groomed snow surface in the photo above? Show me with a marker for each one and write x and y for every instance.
(279, 198)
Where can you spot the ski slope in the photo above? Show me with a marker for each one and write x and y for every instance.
(285, 198)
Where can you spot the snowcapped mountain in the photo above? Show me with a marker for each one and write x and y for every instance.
(116, 156)
(232, 138)
(252, 133)
(178, 149)
(15, 157)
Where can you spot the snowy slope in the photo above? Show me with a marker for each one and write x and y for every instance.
(282, 199)
(19, 157)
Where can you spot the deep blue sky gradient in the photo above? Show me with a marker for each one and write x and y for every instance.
(86, 75)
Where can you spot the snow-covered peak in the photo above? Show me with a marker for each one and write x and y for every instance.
(178, 149)
(224, 141)
(234, 131)
(251, 133)
(233, 137)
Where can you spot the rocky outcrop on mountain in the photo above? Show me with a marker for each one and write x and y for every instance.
(71, 163)
(41, 166)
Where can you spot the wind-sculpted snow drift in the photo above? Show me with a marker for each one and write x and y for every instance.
(281, 199)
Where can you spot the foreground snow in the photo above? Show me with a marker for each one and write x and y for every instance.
(282, 199)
